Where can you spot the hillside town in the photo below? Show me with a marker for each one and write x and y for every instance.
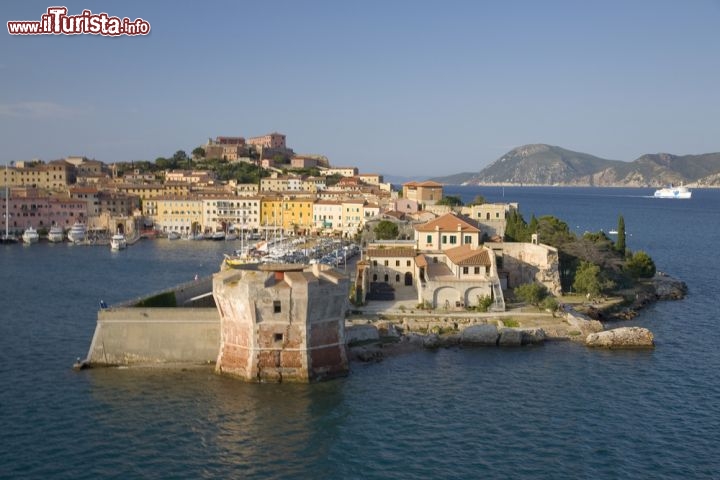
(446, 257)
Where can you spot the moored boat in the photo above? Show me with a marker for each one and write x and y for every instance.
(77, 232)
(118, 242)
(680, 192)
(56, 234)
(173, 235)
(30, 235)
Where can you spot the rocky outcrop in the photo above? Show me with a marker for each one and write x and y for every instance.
(361, 333)
(625, 337)
(480, 335)
(533, 336)
(510, 337)
(668, 288)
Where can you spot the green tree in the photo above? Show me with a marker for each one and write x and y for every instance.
(587, 279)
(620, 243)
(533, 225)
(532, 293)
(478, 200)
(162, 163)
(198, 152)
(640, 265)
(386, 230)
(450, 200)
(553, 231)
(180, 159)
(516, 227)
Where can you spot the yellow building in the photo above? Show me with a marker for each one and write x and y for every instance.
(424, 193)
(55, 175)
(292, 214)
(177, 214)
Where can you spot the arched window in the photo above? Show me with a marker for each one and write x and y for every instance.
(397, 278)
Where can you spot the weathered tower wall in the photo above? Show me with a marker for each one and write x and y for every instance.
(284, 323)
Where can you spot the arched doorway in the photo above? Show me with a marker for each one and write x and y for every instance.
(120, 228)
(408, 279)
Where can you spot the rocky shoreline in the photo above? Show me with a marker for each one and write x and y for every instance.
(373, 341)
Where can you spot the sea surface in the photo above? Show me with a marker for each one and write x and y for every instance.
(559, 411)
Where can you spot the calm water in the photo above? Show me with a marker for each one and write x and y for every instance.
(553, 412)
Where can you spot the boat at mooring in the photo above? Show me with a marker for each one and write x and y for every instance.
(30, 235)
(77, 232)
(118, 242)
(56, 234)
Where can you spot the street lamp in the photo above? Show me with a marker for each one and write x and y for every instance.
(345, 248)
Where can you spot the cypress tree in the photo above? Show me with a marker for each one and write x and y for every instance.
(620, 243)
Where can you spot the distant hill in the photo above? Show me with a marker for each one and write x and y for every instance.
(540, 164)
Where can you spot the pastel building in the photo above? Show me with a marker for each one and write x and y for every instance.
(174, 214)
(424, 193)
(26, 207)
(446, 232)
(275, 141)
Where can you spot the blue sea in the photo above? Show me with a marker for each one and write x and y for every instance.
(559, 411)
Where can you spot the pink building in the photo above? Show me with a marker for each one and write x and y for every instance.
(271, 140)
(27, 208)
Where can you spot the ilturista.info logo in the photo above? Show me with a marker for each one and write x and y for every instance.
(57, 22)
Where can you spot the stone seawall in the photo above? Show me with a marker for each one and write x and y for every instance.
(141, 336)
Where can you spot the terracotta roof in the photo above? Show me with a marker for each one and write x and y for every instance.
(449, 223)
(421, 260)
(391, 252)
(427, 183)
(465, 255)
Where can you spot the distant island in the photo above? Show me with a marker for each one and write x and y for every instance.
(540, 164)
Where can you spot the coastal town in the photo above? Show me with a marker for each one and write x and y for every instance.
(427, 264)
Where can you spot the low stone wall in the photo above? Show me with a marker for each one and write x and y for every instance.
(137, 336)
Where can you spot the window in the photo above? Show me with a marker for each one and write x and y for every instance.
(468, 239)
(386, 264)
(386, 277)
(278, 337)
(276, 306)
(444, 239)
(408, 263)
(397, 278)
(476, 271)
(428, 239)
(374, 263)
(466, 270)
(453, 239)
(397, 263)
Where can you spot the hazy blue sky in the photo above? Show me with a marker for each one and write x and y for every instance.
(395, 87)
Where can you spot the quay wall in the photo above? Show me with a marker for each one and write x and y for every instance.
(142, 336)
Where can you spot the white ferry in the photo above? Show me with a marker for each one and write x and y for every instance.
(673, 192)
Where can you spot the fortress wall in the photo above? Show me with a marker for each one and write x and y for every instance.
(137, 336)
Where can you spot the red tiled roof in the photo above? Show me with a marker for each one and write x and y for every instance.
(449, 223)
(465, 255)
(421, 260)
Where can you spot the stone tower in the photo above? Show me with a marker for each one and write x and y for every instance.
(282, 323)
